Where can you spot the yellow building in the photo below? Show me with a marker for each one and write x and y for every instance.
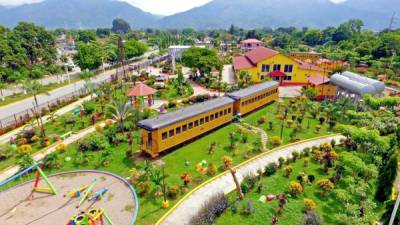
(264, 62)
(322, 86)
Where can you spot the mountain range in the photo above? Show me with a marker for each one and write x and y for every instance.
(376, 14)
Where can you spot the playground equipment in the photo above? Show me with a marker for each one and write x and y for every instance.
(86, 194)
(50, 188)
(98, 195)
(76, 193)
(93, 216)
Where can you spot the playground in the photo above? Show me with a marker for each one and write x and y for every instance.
(72, 198)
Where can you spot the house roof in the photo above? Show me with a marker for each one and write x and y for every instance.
(253, 90)
(318, 79)
(184, 113)
(307, 66)
(277, 73)
(258, 54)
(251, 40)
(241, 62)
(141, 89)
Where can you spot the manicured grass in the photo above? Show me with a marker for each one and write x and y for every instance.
(327, 206)
(270, 113)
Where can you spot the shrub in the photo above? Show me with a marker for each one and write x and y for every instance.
(89, 107)
(295, 155)
(333, 143)
(281, 161)
(287, 171)
(143, 188)
(326, 186)
(186, 178)
(99, 128)
(312, 218)
(35, 139)
(235, 207)
(249, 208)
(248, 183)
(311, 178)
(260, 187)
(305, 162)
(24, 149)
(93, 142)
(309, 204)
(306, 151)
(51, 161)
(245, 187)
(211, 210)
(212, 169)
(295, 188)
(29, 133)
(173, 192)
(261, 120)
(271, 169)
(321, 120)
(61, 148)
(227, 161)
(276, 141)
(25, 161)
(108, 122)
(6, 152)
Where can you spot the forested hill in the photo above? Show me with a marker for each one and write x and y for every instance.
(278, 13)
(216, 14)
(76, 14)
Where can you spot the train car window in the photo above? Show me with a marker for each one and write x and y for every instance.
(178, 130)
(184, 128)
(196, 123)
(216, 115)
(207, 119)
(164, 135)
(201, 121)
(220, 113)
(225, 111)
(212, 117)
(190, 125)
(171, 133)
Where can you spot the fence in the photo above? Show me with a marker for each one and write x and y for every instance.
(20, 118)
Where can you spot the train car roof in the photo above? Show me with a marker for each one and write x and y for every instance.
(252, 90)
(184, 113)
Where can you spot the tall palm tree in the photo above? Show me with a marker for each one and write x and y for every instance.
(120, 110)
(35, 88)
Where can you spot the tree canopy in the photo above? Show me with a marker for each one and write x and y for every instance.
(120, 25)
(202, 59)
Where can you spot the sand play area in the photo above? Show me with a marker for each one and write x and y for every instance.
(18, 208)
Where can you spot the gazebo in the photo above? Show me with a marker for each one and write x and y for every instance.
(139, 92)
(277, 75)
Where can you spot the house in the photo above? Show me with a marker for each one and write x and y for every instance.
(250, 44)
(322, 86)
(263, 62)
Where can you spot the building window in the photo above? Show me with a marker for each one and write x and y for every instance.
(196, 123)
(288, 68)
(277, 67)
(190, 125)
(207, 119)
(178, 130)
(164, 135)
(184, 128)
(171, 133)
(264, 68)
(287, 78)
(201, 121)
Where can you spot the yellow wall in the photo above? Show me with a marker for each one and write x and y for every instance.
(298, 76)
(327, 90)
(256, 101)
(159, 144)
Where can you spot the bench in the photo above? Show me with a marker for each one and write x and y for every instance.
(66, 135)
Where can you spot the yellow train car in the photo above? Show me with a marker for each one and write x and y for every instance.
(249, 99)
(172, 129)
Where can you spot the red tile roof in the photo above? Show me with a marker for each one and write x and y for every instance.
(277, 73)
(251, 40)
(258, 54)
(318, 79)
(241, 62)
(141, 89)
(307, 66)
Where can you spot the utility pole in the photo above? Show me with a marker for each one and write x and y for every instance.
(392, 21)
(121, 50)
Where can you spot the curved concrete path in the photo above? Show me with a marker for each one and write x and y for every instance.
(224, 184)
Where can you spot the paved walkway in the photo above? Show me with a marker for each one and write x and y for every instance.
(199, 90)
(41, 154)
(224, 184)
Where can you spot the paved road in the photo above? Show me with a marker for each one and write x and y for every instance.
(11, 109)
(224, 184)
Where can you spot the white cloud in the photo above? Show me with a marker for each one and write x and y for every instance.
(17, 2)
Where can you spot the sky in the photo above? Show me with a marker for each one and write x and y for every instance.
(160, 7)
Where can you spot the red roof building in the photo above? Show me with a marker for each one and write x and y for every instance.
(251, 58)
(250, 44)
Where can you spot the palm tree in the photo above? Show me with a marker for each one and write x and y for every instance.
(34, 88)
(120, 111)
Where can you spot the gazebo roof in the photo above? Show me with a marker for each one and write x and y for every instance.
(277, 73)
(141, 89)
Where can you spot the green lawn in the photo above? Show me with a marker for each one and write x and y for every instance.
(327, 206)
